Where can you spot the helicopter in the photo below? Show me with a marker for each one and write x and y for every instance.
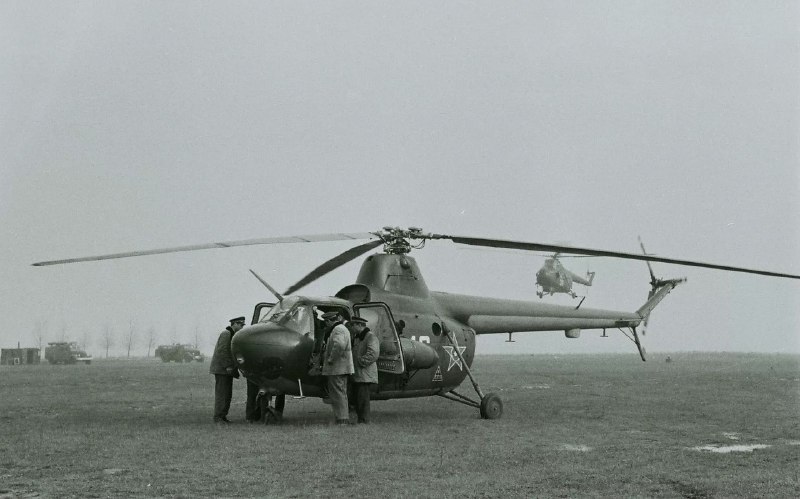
(553, 278)
(427, 338)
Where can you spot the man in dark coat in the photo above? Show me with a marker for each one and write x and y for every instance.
(223, 367)
(366, 349)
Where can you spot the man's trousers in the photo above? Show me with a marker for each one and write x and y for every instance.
(223, 391)
(337, 391)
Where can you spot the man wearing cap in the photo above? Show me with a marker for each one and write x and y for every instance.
(338, 365)
(366, 349)
(223, 367)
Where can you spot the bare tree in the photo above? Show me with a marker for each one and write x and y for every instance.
(107, 338)
(196, 337)
(63, 336)
(151, 339)
(130, 337)
(85, 339)
(39, 332)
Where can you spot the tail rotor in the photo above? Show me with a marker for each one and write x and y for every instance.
(655, 285)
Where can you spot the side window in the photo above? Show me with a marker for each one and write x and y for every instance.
(376, 321)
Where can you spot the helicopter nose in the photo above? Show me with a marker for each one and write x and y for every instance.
(271, 351)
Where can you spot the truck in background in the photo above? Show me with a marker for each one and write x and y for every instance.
(179, 353)
(65, 352)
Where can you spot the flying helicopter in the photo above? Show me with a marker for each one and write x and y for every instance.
(427, 338)
(553, 278)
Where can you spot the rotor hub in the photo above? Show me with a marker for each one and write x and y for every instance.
(397, 241)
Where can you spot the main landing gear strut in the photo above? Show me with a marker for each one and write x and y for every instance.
(490, 405)
(269, 414)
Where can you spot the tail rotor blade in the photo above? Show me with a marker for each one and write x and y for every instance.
(653, 279)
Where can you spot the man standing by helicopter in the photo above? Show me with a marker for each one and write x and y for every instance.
(366, 349)
(223, 367)
(338, 365)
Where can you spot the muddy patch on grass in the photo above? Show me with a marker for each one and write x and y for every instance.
(727, 449)
(17, 494)
(114, 471)
(690, 491)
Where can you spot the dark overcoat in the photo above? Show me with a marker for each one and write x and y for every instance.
(365, 355)
(222, 362)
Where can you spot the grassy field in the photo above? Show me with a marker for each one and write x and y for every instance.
(574, 426)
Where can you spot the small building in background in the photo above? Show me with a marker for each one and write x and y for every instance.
(17, 356)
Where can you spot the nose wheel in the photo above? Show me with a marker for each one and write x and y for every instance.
(269, 414)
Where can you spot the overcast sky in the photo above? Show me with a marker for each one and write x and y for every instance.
(137, 125)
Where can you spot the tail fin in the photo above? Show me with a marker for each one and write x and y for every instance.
(586, 281)
(657, 294)
(659, 288)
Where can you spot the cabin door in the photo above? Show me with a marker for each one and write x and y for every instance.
(381, 322)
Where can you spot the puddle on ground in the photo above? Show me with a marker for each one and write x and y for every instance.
(726, 449)
(535, 387)
(730, 435)
(575, 448)
(113, 471)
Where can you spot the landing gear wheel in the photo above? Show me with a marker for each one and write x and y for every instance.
(262, 400)
(491, 406)
(272, 416)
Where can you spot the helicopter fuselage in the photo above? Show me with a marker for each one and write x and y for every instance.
(427, 338)
(553, 278)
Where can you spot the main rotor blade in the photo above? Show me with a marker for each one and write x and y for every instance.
(333, 264)
(226, 244)
(521, 245)
(266, 285)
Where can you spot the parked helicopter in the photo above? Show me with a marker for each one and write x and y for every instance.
(553, 278)
(427, 338)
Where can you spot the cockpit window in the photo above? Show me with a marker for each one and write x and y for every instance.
(279, 310)
(291, 315)
(298, 319)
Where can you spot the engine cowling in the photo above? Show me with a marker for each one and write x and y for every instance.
(418, 355)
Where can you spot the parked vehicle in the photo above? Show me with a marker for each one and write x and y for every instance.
(65, 352)
(179, 353)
